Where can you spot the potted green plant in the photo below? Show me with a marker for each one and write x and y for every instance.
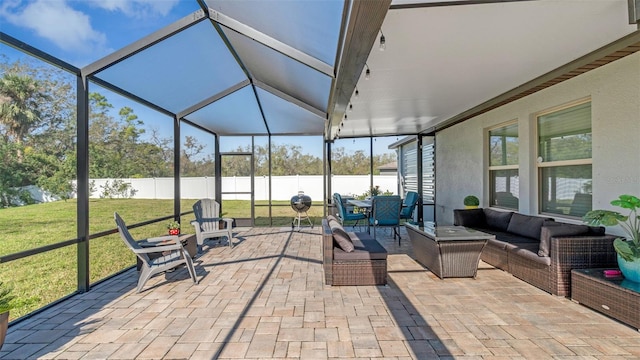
(174, 228)
(471, 202)
(6, 304)
(373, 191)
(628, 248)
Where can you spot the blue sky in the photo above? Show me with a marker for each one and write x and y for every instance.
(81, 32)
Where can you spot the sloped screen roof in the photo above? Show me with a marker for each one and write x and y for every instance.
(235, 69)
(178, 71)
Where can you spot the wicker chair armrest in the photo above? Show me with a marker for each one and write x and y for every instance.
(563, 247)
(578, 252)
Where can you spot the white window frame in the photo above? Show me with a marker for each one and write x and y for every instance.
(539, 165)
(491, 168)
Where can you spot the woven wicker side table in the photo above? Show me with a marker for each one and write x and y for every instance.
(611, 295)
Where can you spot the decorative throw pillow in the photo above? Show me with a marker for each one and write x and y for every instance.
(498, 220)
(333, 223)
(526, 225)
(331, 218)
(473, 218)
(558, 229)
(341, 237)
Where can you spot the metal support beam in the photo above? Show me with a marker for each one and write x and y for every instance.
(121, 91)
(176, 168)
(371, 161)
(82, 173)
(449, 3)
(420, 179)
(270, 182)
(361, 33)
(270, 42)
(218, 171)
(253, 180)
(326, 170)
(291, 99)
(264, 118)
(26, 48)
(212, 99)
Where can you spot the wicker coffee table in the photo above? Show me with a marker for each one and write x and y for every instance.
(448, 251)
(611, 295)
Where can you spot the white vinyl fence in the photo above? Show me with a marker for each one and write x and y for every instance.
(284, 187)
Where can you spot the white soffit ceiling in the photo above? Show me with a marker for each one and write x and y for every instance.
(442, 60)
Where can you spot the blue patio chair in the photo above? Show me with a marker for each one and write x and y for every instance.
(410, 202)
(386, 213)
(345, 215)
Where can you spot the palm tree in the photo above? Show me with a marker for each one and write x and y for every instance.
(19, 106)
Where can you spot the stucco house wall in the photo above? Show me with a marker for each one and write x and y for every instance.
(614, 90)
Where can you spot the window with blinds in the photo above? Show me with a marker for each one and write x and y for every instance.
(564, 161)
(504, 182)
(410, 167)
(428, 173)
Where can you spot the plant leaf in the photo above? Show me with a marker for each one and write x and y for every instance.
(627, 202)
(623, 248)
(6, 298)
(603, 217)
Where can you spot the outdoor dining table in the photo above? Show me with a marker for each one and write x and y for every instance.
(366, 205)
(362, 204)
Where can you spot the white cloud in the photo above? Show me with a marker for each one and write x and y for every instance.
(69, 29)
(137, 8)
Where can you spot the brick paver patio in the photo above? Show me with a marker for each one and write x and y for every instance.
(264, 299)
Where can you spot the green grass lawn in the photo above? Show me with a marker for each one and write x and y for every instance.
(41, 279)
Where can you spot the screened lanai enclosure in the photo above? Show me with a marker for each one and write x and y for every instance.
(228, 102)
(250, 102)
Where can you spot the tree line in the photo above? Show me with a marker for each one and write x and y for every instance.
(38, 141)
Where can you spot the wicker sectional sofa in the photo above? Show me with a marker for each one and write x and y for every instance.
(364, 264)
(539, 250)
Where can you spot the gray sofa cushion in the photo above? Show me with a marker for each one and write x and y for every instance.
(558, 229)
(498, 220)
(340, 237)
(528, 251)
(508, 237)
(497, 244)
(473, 218)
(364, 250)
(526, 225)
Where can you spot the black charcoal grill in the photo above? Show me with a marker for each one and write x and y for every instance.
(301, 204)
